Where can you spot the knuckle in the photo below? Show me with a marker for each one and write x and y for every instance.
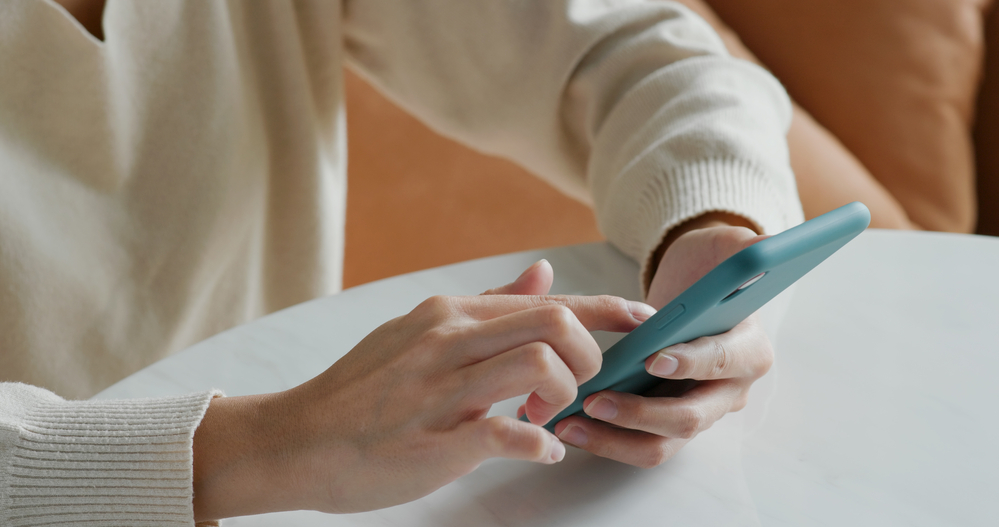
(740, 402)
(434, 308)
(549, 375)
(435, 336)
(562, 327)
(434, 303)
(659, 454)
(766, 359)
(502, 438)
(638, 416)
(539, 357)
(650, 461)
(558, 319)
(720, 360)
(563, 394)
(433, 398)
(689, 421)
(435, 341)
(495, 434)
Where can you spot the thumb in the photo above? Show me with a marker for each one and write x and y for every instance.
(536, 280)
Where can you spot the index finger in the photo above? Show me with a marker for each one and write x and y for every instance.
(602, 312)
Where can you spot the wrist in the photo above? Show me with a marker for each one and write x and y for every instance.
(235, 470)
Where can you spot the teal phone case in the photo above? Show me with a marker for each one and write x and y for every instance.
(722, 299)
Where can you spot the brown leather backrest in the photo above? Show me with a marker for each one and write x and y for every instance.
(987, 132)
(894, 80)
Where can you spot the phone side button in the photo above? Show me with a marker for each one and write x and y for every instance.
(669, 317)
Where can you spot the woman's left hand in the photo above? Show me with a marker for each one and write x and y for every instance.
(646, 431)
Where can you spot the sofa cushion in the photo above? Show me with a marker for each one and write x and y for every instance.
(894, 80)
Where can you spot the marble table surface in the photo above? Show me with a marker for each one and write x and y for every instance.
(880, 409)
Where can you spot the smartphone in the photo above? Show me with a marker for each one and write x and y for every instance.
(723, 298)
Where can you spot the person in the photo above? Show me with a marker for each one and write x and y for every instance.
(187, 174)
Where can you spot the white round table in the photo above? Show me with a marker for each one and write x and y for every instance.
(880, 410)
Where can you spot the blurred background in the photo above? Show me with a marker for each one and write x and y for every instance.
(896, 103)
(417, 200)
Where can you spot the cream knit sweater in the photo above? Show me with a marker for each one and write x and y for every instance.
(188, 174)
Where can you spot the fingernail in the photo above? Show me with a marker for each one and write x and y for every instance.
(535, 264)
(558, 450)
(602, 408)
(574, 435)
(641, 311)
(664, 365)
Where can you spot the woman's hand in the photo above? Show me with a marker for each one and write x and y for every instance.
(646, 431)
(405, 411)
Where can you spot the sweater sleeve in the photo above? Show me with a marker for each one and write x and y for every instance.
(96, 462)
(632, 106)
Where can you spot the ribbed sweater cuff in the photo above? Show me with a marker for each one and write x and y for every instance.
(104, 462)
(717, 185)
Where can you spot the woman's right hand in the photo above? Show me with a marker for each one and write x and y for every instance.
(404, 412)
